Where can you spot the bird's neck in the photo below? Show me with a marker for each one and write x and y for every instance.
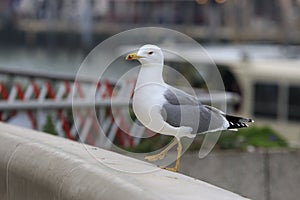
(150, 73)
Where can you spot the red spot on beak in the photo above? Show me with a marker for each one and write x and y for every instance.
(132, 56)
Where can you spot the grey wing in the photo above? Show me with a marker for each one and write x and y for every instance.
(178, 97)
(200, 118)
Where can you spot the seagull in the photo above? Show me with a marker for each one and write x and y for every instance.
(170, 111)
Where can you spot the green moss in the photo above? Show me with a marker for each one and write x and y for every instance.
(254, 136)
(49, 126)
(261, 137)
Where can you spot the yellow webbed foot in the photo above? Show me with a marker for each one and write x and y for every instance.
(156, 157)
(172, 169)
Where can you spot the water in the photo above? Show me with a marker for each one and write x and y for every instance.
(63, 61)
(41, 59)
(68, 61)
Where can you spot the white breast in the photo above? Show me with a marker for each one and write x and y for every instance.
(147, 103)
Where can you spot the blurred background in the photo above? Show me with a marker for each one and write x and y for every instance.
(254, 43)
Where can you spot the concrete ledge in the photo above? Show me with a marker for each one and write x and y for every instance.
(38, 166)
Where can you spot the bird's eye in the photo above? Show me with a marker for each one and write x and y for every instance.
(150, 52)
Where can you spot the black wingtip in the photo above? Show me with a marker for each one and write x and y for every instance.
(237, 122)
(244, 120)
(235, 125)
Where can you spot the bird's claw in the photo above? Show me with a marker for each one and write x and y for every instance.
(172, 169)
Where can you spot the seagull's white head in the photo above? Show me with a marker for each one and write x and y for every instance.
(147, 54)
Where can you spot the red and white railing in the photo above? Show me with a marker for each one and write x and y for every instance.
(27, 98)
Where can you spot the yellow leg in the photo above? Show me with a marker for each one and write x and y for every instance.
(163, 153)
(179, 150)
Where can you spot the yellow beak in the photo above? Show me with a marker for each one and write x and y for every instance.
(133, 56)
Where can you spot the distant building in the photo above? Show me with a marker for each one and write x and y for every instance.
(209, 20)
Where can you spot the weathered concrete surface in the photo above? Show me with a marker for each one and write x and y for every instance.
(240, 172)
(262, 175)
(36, 166)
(284, 175)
